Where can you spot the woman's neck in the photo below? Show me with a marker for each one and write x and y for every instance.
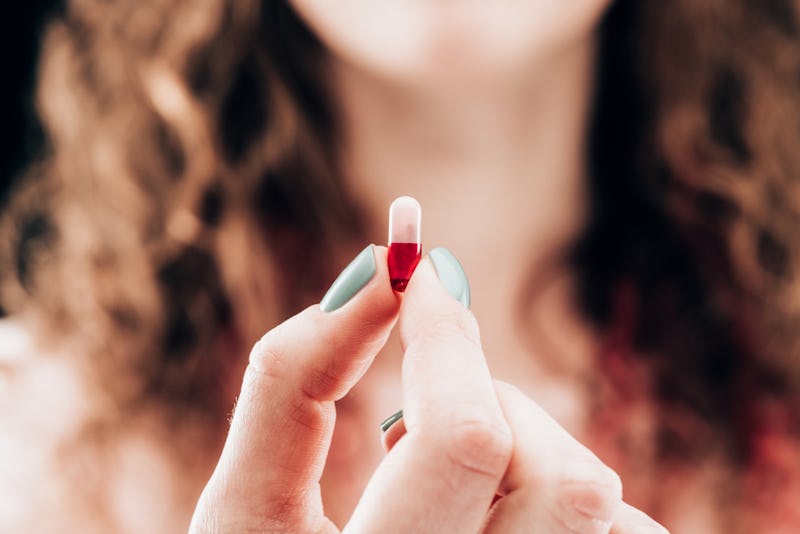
(498, 165)
(466, 150)
(499, 168)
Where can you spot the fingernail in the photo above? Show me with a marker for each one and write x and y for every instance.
(451, 274)
(392, 419)
(350, 281)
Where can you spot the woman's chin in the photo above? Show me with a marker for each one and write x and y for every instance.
(418, 42)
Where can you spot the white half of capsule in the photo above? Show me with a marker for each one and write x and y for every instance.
(405, 221)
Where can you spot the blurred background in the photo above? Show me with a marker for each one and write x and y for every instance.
(21, 26)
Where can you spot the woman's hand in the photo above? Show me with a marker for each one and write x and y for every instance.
(464, 438)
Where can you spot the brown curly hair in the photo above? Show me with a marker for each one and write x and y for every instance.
(695, 207)
(192, 149)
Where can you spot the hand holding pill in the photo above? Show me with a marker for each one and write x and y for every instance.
(514, 467)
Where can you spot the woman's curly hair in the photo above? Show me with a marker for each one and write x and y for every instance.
(192, 149)
(692, 251)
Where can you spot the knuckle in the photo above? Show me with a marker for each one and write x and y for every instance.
(446, 326)
(588, 494)
(266, 355)
(272, 357)
(480, 446)
(324, 383)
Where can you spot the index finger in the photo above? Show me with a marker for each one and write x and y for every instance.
(269, 470)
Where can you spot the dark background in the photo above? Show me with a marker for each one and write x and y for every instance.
(21, 139)
(22, 23)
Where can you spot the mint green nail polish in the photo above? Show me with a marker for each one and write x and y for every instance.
(392, 419)
(451, 274)
(350, 281)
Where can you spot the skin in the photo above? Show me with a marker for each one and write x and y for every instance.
(462, 430)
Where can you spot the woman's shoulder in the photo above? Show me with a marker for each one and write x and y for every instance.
(40, 402)
(55, 470)
(37, 389)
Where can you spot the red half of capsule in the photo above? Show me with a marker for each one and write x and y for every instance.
(403, 259)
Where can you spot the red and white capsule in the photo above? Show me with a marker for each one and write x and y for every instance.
(405, 245)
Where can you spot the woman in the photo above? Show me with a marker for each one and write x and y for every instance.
(615, 178)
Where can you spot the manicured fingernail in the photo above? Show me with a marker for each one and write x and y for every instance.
(350, 281)
(451, 274)
(392, 419)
